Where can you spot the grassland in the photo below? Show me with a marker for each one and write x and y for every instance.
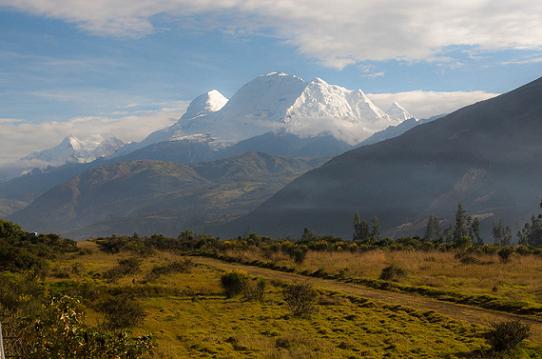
(517, 280)
(191, 318)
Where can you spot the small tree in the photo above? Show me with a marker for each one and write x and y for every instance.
(475, 232)
(462, 229)
(506, 336)
(531, 233)
(375, 229)
(301, 299)
(502, 234)
(233, 283)
(361, 229)
(432, 230)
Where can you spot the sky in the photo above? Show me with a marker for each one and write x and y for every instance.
(126, 68)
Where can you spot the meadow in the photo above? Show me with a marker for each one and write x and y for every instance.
(254, 297)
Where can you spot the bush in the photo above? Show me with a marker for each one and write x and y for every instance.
(125, 267)
(233, 283)
(393, 272)
(60, 332)
(505, 254)
(122, 312)
(506, 336)
(301, 299)
(184, 266)
(254, 291)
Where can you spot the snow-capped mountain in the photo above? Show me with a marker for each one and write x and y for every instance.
(398, 112)
(75, 150)
(283, 102)
(348, 115)
(200, 107)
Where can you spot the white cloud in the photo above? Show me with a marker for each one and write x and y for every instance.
(19, 137)
(424, 104)
(530, 60)
(337, 33)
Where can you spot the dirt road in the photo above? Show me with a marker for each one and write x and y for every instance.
(471, 314)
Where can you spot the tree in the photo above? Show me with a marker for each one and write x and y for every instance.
(375, 231)
(432, 230)
(461, 236)
(531, 233)
(361, 229)
(502, 234)
(475, 231)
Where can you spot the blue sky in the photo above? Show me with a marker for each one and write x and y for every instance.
(61, 60)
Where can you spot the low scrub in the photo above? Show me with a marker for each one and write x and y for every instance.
(233, 283)
(254, 291)
(301, 299)
(125, 267)
(507, 336)
(122, 311)
(184, 266)
(393, 272)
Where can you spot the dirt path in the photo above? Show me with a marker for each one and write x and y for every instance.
(471, 314)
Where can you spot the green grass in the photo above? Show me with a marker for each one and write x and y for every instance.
(191, 318)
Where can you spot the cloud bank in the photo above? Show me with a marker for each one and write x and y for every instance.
(337, 33)
(424, 104)
(19, 138)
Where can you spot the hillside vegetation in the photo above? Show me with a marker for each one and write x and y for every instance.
(254, 297)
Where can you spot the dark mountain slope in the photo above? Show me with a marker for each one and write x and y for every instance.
(28, 187)
(487, 156)
(153, 196)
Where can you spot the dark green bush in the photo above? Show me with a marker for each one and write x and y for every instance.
(301, 299)
(506, 336)
(393, 272)
(233, 283)
(505, 254)
(125, 267)
(122, 311)
(184, 266)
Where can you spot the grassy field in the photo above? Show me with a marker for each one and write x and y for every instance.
(516, 280)
(191, 318)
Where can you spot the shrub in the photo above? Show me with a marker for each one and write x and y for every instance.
(253, 291)
(505, 254)
(60, 332)
(125, 267)
(507, 336)
(233, 283)
(301, 299)
(393, 272)
(184, 266)
(122, 311)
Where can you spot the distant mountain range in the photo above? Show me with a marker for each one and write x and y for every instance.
(486, 156)
(154, 196)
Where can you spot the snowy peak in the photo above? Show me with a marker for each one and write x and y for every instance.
(348, 115)
(398, 112)
(256, 108)
(278, 101)
(75, 150)
(204, 104)
(266, 97)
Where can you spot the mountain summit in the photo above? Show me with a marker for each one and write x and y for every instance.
(281, 102)
(75, 150)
